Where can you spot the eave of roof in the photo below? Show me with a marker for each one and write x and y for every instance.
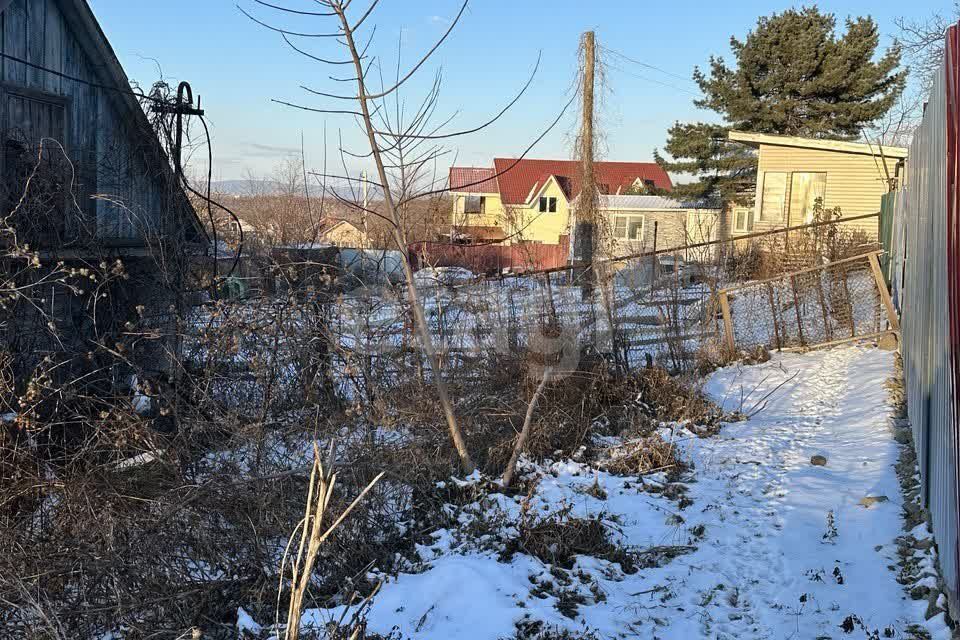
(840, 146)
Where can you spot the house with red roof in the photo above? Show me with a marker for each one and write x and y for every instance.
(530, 201)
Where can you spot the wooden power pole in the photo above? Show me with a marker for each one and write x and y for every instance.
(587, 204)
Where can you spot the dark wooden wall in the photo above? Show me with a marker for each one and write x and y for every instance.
(103, 138)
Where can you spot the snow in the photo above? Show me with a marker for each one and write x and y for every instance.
(778, 547)
(246, 625)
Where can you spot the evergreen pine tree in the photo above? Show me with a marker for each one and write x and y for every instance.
(793, 76)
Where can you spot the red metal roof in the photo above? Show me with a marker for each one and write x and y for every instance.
(516, 178)
(473, 180)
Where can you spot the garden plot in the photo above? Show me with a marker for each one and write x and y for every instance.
(753, 541)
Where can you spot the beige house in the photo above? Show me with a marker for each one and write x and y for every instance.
(640, 223)
(343, 234)
(792, 173)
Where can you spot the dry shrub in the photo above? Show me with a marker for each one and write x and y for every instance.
(559, 537)
(642, 456)
(537, 630)
(590, 402)
(661, 398)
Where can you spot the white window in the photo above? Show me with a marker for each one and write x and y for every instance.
(628, 228)
(805, 190)
(742, 219)
(773, 203)
(548, 205)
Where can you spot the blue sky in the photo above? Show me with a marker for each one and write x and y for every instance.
(238, 66)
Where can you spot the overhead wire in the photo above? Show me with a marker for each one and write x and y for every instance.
(157, 100)
(65, 76)
(652, 67)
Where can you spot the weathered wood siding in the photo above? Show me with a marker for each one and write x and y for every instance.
(855, 182)
(100, 138)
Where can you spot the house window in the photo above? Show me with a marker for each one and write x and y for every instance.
(773, 202)
(742, 219)
(548, 205)
(805, 190)
(628, 228)
(648, 184)
(475, 204)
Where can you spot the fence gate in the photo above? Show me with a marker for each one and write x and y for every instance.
(838, 302)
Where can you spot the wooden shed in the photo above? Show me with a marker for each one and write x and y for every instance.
(793, 172)
(86, 186)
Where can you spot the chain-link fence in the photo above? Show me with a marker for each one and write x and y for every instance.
(837, 302)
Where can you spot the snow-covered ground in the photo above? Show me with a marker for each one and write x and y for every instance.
(763, 544)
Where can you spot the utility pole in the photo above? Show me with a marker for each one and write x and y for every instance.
(587, 205)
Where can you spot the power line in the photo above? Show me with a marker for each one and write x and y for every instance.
(89, 83)
(654, 81)
(647, 65)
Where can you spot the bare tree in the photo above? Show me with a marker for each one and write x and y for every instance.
(403, 144)
(922, 41)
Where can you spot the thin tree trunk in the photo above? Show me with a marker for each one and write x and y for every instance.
(525, 431)
(420, 322)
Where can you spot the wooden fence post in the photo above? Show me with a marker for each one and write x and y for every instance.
(727, 323)
(773, 310)
(796, 306)
(884, 292)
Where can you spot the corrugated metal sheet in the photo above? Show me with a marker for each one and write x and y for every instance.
(927, 298)
(641, 202)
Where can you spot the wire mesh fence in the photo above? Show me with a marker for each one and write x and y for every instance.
(355, 331)
(837, 302)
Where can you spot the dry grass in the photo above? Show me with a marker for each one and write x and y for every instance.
(558, 538)
(645, 455)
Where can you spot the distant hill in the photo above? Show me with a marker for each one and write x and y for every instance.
(254, 187)
(245, 187)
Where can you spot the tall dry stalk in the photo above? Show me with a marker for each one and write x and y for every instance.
(313, 535)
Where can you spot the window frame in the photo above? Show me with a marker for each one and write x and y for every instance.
(481, 204)
(800, 215)
(64, 102)
(627, 217)
(748, 218)
(547, 204)
(785, 202)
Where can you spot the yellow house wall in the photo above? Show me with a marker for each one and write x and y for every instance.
(345, 235)
(526, 223)
(492, 216)
(855, 182)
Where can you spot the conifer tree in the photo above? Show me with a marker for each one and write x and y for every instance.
(793, 76)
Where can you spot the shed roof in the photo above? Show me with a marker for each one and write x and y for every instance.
(840, 146)
(650, 203)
